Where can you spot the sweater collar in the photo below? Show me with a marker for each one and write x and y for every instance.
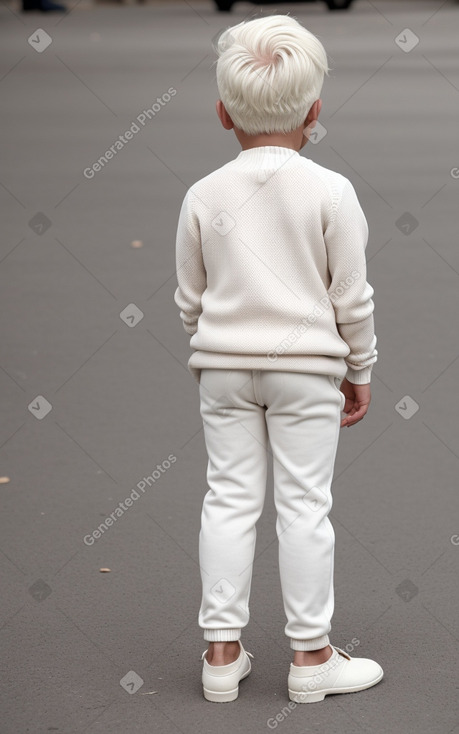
(266, 156)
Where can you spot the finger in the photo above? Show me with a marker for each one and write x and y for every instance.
(355, 416)
(350, 410)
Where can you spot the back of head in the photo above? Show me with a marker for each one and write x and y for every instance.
(269, 73)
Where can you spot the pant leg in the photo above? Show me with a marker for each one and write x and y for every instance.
(236, 441)
(303, 420)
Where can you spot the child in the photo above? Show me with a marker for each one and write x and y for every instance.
(272, 288)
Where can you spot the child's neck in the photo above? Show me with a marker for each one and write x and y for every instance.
(291, 140)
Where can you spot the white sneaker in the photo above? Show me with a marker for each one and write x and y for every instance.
(339, 674)
(221, 682)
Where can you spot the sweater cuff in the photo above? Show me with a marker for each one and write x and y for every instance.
(359, 377)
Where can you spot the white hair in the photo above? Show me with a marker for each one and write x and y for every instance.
(270, 71)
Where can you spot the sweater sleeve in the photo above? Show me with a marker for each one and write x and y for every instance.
(191, 274)
(346, 238)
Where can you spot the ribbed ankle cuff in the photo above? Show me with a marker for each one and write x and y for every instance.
(316, 644)
(225, 635)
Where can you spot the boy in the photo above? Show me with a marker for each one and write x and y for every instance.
(272, 288)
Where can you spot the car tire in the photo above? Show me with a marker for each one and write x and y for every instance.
(338, 4)
(224, 5)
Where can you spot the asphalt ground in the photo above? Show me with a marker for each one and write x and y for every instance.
(96, 394)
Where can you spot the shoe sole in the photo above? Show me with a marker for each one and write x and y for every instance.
(316, 696)
(223, 696)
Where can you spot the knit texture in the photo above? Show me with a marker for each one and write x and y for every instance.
(271, 269)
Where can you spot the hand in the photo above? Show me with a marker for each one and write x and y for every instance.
(358, 398)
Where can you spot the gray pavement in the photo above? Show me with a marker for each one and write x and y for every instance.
(87, 651)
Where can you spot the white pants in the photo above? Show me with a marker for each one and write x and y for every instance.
(298, 415)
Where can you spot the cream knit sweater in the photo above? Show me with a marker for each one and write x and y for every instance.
(271, 269)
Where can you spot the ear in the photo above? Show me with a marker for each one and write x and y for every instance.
(310, 121)
(313, 113)
(225, 119)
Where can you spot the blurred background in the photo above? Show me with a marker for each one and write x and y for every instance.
(108, 117)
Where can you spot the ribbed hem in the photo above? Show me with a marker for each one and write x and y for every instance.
(266, 156)
(316, 644)
(359, 377)
(317, 363)
(225, 635)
